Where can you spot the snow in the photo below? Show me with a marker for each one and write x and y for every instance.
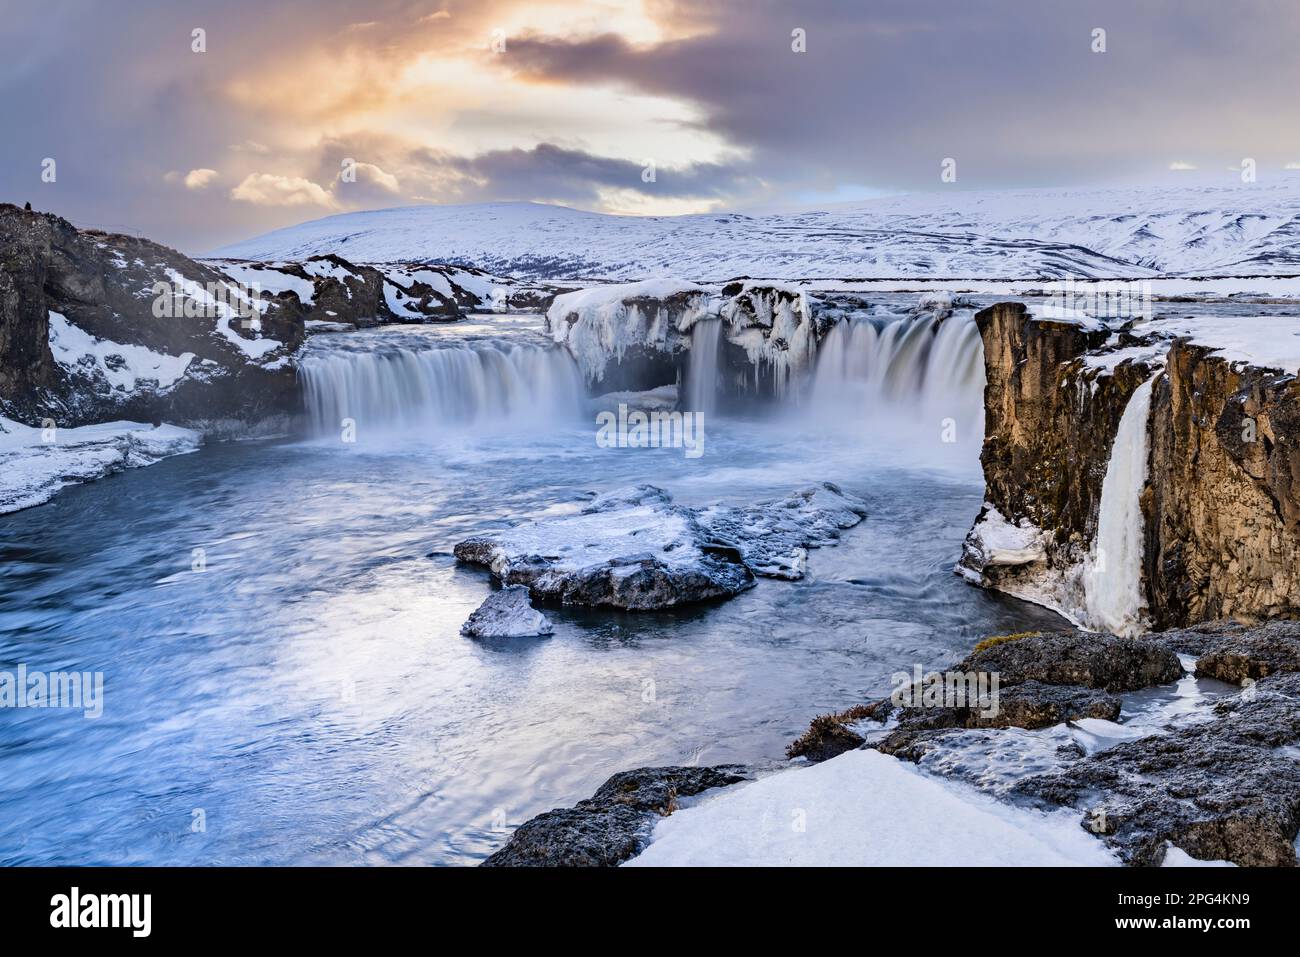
(1002, 543)
(325, 269)
(864, 808)
(32, 469)
(123, 366)
(252, 348)
(1177, 857)
(400, 303)
(633, 521)
(1194, 232)
(1107, 362)
(272, 280)
(1077, 317)
(1113, 575)
(1271, 342)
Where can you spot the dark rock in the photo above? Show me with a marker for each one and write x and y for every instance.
(106, 286)
(1226, 789)
(829, 734)
(1079, 658)
(614, 824)
(1273, 648)
(1029, 705)
(507, 614)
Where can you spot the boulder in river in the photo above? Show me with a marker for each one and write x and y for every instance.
(634, 549)
(507, 613)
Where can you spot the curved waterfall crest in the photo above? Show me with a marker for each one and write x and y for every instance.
(402, 387)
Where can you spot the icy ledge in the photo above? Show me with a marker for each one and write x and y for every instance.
(32, 469)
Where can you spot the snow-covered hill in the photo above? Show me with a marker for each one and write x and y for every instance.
(1249, 230)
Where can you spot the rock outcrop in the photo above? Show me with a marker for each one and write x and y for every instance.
(634, 549)
(332, 289)
(96, 327)
(1221, 505)
(1219, 783)
(612, 825)
(1044, 678)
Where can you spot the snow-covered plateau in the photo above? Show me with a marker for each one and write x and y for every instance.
(1132, 233)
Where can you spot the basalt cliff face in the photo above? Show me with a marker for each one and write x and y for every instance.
(1220, 504)
(1223, 508)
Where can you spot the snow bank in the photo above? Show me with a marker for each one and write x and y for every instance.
(865, 808)
(1050, 313)
(1269, 342)
(33, 469)
(1177, 857)
(123, 366)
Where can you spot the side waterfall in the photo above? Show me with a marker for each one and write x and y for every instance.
(702, 372)
(1113, 575)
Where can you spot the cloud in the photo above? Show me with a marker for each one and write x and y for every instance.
(268, 189)
(199, 178)
(571, 176)
(1181, 166)
(250, 146)
(587, 91)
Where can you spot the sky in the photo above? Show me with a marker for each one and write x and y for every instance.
(280, 112)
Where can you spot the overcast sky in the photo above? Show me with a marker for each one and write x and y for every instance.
(459, 102)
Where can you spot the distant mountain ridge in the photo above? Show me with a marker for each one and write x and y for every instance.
(1130, 233)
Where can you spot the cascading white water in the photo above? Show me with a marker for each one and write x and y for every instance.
(389, 388)
(702, 369)
(921, 368)
(1112, 578)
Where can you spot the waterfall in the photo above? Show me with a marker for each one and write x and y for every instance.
(383, 387)
(1113, 574)
(702, 370)
(923, 369)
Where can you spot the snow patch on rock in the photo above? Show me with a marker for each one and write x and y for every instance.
(507, 613)
(124, 367)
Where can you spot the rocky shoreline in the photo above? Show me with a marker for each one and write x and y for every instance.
(1219, 784)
